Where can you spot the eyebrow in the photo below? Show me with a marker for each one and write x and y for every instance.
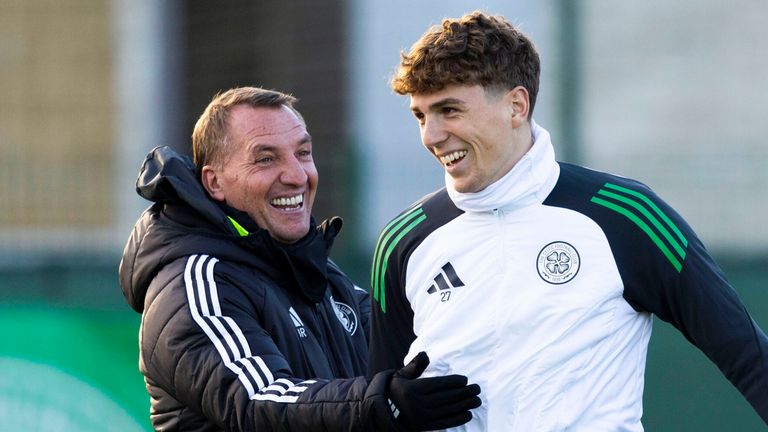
(441, 103)
(307, 138)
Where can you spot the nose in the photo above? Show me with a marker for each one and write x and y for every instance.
(294, 172)
(432, 132)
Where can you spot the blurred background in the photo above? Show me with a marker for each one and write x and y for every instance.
(670, 93)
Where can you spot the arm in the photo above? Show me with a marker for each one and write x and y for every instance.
(391, 335)
(391, 314)
(708, 312)
(213, 357)
(694, 295)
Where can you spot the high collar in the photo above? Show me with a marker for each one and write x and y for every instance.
(529, 182)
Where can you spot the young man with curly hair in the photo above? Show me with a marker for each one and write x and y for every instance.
(538, 279)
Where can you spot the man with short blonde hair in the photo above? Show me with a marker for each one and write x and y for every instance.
(246, 323)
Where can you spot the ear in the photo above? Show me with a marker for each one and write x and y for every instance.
(211, 182)
(518, 101)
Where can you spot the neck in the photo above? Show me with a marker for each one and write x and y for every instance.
(522, 140)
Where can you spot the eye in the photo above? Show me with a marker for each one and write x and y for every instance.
(448, 110)
(304, 154)
(263, 160)
(419, 116)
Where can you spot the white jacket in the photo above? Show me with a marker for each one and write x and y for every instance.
(540, 288)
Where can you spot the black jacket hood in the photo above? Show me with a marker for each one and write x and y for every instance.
(184, 221)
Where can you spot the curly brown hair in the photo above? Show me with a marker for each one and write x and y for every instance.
(209, 137)
(474, 49)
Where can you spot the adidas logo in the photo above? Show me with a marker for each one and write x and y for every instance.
(297, 322)
(444, 281)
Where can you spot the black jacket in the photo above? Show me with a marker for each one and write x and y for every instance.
(239, 332)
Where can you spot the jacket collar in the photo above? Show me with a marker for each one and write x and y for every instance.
(302, 265)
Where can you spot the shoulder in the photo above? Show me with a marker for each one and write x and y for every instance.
(419, 219)
(200, 279)
(632, 216)
(577, 185)
(594, 192)
(403, 234)
(408, 230)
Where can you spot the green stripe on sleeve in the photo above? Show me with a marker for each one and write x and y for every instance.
(649, 216)
(652, 206)
(386, 235)
(382, 299)
(388, 227)
(639, 222)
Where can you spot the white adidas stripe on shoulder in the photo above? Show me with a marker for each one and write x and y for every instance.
(223, 331)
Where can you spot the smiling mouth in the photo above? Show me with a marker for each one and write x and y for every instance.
(288, 203)
(453, 158)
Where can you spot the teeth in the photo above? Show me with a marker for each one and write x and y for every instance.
(292, 201)
(447, 159)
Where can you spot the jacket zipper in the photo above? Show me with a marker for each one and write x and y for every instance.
(323, 337)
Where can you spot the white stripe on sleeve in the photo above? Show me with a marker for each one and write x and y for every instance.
(220, 329)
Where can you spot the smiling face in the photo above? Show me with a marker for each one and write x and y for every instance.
(270, 173)
(476, 135)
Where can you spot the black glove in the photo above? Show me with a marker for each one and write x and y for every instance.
(431, 403)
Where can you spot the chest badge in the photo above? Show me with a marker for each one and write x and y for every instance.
(346, 316)
(558, 262)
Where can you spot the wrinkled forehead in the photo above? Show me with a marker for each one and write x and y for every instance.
(263, 121)
(275, 125)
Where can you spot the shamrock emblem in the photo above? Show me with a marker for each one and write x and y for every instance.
(558, 262)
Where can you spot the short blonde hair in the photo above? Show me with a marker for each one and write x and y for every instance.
(209, 137)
